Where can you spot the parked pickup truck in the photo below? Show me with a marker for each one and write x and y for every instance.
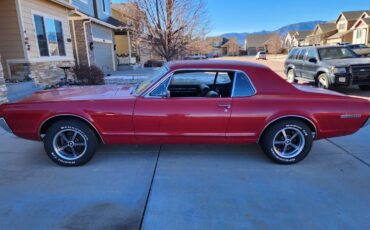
(328, 67)
(360, 49)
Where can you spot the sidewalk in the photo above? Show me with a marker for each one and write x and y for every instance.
(186, 187)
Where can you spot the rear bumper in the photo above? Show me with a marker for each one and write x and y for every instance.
(367, 123)
(5, 125)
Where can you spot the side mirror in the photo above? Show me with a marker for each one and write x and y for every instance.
(312, 60)
(166, 94)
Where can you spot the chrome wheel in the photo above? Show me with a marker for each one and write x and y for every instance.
(70, 144)
(291, 76)
(289, 142)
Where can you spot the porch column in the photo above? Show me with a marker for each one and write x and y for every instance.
(3, 90)
(129, 46)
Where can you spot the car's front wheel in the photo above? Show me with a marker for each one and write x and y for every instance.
(70, 143)
(287, 141)
(364, 87)
(323, 81)
(291, 76)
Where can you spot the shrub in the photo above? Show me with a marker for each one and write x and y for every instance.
(89, 75)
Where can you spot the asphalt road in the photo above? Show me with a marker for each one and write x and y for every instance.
(186, 187)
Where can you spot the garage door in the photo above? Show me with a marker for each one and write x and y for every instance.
(103, 47)
(103, 53)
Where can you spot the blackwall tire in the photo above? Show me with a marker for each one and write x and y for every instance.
(70, 143)
(287, 141)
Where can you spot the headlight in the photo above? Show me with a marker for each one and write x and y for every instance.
(338, 70)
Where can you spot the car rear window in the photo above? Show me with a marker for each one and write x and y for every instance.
(243, 87)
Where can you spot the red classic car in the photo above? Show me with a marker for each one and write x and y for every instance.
(187, 102)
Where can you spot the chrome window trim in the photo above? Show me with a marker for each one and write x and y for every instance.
(5, 125)
(170, 74)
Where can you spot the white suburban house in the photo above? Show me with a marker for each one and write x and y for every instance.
(361, 29)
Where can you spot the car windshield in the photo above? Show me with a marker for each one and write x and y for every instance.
(140, 88)
(336, 53)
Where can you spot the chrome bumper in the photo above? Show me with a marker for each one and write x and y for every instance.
(4, 125)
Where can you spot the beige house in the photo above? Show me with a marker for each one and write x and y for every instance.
(344, 23)
(296, 38)
(230, 48)
(321, 33)
(36, 39)
(271, 43)
(361, 29)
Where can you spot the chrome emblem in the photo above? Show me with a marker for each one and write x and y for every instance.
(362, 70)
(350, 116)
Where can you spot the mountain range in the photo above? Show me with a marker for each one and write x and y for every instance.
(282, 31)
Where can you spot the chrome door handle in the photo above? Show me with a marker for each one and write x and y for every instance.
(225, 106)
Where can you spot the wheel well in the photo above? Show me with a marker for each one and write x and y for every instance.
(308, 122)
(48, 123)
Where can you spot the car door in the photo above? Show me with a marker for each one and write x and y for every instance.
(310, 65)
(185, 117)
(299, 63)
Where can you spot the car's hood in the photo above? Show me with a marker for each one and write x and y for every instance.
(78, 93)
(346, 62)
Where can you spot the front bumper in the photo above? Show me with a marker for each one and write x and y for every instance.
(349, 80)
(5, 125)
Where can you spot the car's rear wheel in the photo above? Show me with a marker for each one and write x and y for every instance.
(70, 143)
(323, 81)
(287, 141)
(291, 76)
(364, 87)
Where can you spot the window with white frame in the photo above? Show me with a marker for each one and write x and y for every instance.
(50, 37)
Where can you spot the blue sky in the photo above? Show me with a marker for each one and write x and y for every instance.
(256, 15)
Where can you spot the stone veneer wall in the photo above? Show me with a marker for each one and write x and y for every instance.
(3, 90)
(49, 73)
(83, 43)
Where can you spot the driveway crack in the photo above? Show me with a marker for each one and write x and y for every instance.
(353, 155)
(150, 188)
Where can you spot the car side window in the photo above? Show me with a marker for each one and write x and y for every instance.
(310, 54)
(243, 86)
(161, 89)
(302, 54)
(212, 84)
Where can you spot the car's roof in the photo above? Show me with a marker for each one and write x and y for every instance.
(320, 47)
(213, 64)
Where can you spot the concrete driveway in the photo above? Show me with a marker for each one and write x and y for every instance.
(187, 187)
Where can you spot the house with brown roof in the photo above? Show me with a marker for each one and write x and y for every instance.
(221, 46)
(230, 47)
(344, 23)
(270, 43)
(361, 29)
(296, 38)
(321, 33)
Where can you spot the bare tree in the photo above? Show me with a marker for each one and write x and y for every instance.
(170, 26)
